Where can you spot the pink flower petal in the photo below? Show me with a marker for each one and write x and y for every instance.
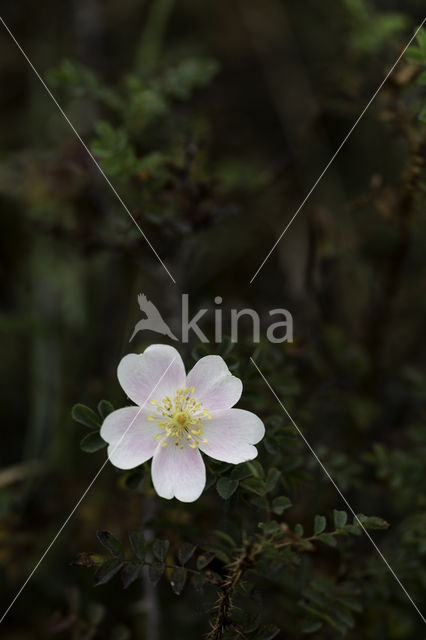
(214, 384)
(131, 437)
(178, 473)
(231, 435)
(150, 375)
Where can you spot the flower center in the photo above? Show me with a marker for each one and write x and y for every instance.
(180, 419)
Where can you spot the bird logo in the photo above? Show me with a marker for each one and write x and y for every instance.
(153, 320)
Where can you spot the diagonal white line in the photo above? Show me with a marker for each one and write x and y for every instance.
(80, 500)
(340, 493)
(86, 148)
(336, 153)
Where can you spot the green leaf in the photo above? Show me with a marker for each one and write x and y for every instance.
(311, 625)
(199, 352)
(226, 346)
(268, 632)
(421, 79)
(256, 469)
(270, 528)
(105, 408)
(178, 579)
(328, 539)
(85, 415)
(272, 479)
(92, 442)
(415, 54)
(130, 573)
(225, 537)
(340, 518)
(156, 570)
(298, 530)
(160, 548)
(372, 522)
(280, 504)
(422, 114)
(138, 544)
(107, 571)
(320, 524)
(186, 552)
(255, 485)
(204, 559)
(241, 471)
(109, 542)
(226, 487)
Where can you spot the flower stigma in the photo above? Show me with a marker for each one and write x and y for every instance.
(180, 419)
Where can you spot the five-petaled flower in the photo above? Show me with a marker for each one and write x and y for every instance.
(178, 416)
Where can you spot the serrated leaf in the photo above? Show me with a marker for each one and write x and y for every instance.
(272, 479)
(328, 539)
(138, 544)
(109, 542)
(160, 548)
(86, 416)
(340, 518)
(92, 442)
(105, 408)
(204, 559)
(130, 572)
(320, 524)
(280, 504)
(107, 571)
(185, 552)
(178, 579)
(156, 570)
(226, 487)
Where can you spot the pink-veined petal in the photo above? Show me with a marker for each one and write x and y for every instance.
(231, 435)
(153, 374)
(178, 473)
(131, 437)
(214, 384)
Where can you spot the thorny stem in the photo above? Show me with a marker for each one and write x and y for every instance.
(244, 560)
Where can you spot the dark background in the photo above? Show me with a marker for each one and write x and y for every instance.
(212, 161)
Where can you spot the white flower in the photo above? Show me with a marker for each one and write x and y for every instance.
(178, 416)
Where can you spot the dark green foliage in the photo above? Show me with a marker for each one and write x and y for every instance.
(226, 487)
(110, 543)
(138, 544)
(85, 415)
(212, 161)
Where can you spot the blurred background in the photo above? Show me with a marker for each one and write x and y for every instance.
(213, 120)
